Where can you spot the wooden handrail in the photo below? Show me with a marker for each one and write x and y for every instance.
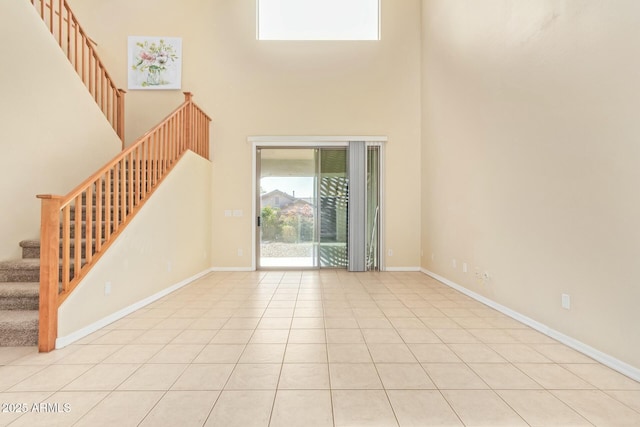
(107, 201)
(80, 51)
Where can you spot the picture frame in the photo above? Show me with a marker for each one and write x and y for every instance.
(154, 63)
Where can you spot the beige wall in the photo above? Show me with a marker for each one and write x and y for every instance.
(52, 134)
(165, 243)
(530, 159)
(278, 88)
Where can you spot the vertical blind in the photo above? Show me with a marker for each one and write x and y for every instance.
(357, 205)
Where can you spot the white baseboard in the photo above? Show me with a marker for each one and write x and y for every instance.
(605, 359)
(402, 269)
(62, 342)
(232, 269)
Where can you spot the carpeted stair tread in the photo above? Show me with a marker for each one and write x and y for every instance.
(20, 263)
(35, 243)
(19, 289)
(31, 248)
(25, 270)
(18, 327)
(19, 295)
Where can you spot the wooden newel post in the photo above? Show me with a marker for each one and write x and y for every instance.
(188, 126)
(49, 270)
(120, 126)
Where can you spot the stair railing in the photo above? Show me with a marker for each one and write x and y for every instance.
(102, 206)
(80, 51)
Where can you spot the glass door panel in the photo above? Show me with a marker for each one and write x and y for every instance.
(334, 196)
(304, 205)
(288, 208)
(373, 208)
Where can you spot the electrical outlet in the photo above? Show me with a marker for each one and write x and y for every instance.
(240, 252)
(433, 256)
(566, 301)
(107, 288)
(237, 213)
(228, 213)
(169, 267)
(390, 252)
(465, 267)
(454, 263)
(483, 277)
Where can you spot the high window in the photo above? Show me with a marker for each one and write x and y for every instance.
(318, 19)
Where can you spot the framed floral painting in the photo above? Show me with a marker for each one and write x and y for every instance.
(155, 63)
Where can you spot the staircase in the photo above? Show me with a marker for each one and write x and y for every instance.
(78, 228)
(30, 290)
(20, 282)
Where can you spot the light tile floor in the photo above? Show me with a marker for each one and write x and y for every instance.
(313, 348)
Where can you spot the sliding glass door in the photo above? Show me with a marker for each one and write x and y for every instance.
(288, 208)
(303, 208)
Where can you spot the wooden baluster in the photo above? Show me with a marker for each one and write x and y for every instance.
(140, 175)
(83, 58)
(108, 111)
(203, 124)
(115, 200)
(182, 133)
(174, 140)
(163, 151)
(99, 195)
(123, 190)
(143, 174)
(88, 234)
(100, 99)
(147, 168)
(103, 88)
(136, 176)
(60, 39)
(161, 156)
(185, 142)
(169, 152)
(131, 183)
(120, 127)
(75, 46)
(188, 112)
(196, 127)
(158, 146)
(77, 253)
(90, 67)
(51, 27)
(96, 82)
(206, 140)
(68, 38)
(66, 242)
(108, 198)
(49, 271)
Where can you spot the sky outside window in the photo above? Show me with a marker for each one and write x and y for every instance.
(318, 20)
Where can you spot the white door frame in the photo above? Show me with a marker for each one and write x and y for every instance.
(313, 142)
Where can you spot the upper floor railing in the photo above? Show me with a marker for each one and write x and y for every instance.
(80, 50)
(78, 228)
